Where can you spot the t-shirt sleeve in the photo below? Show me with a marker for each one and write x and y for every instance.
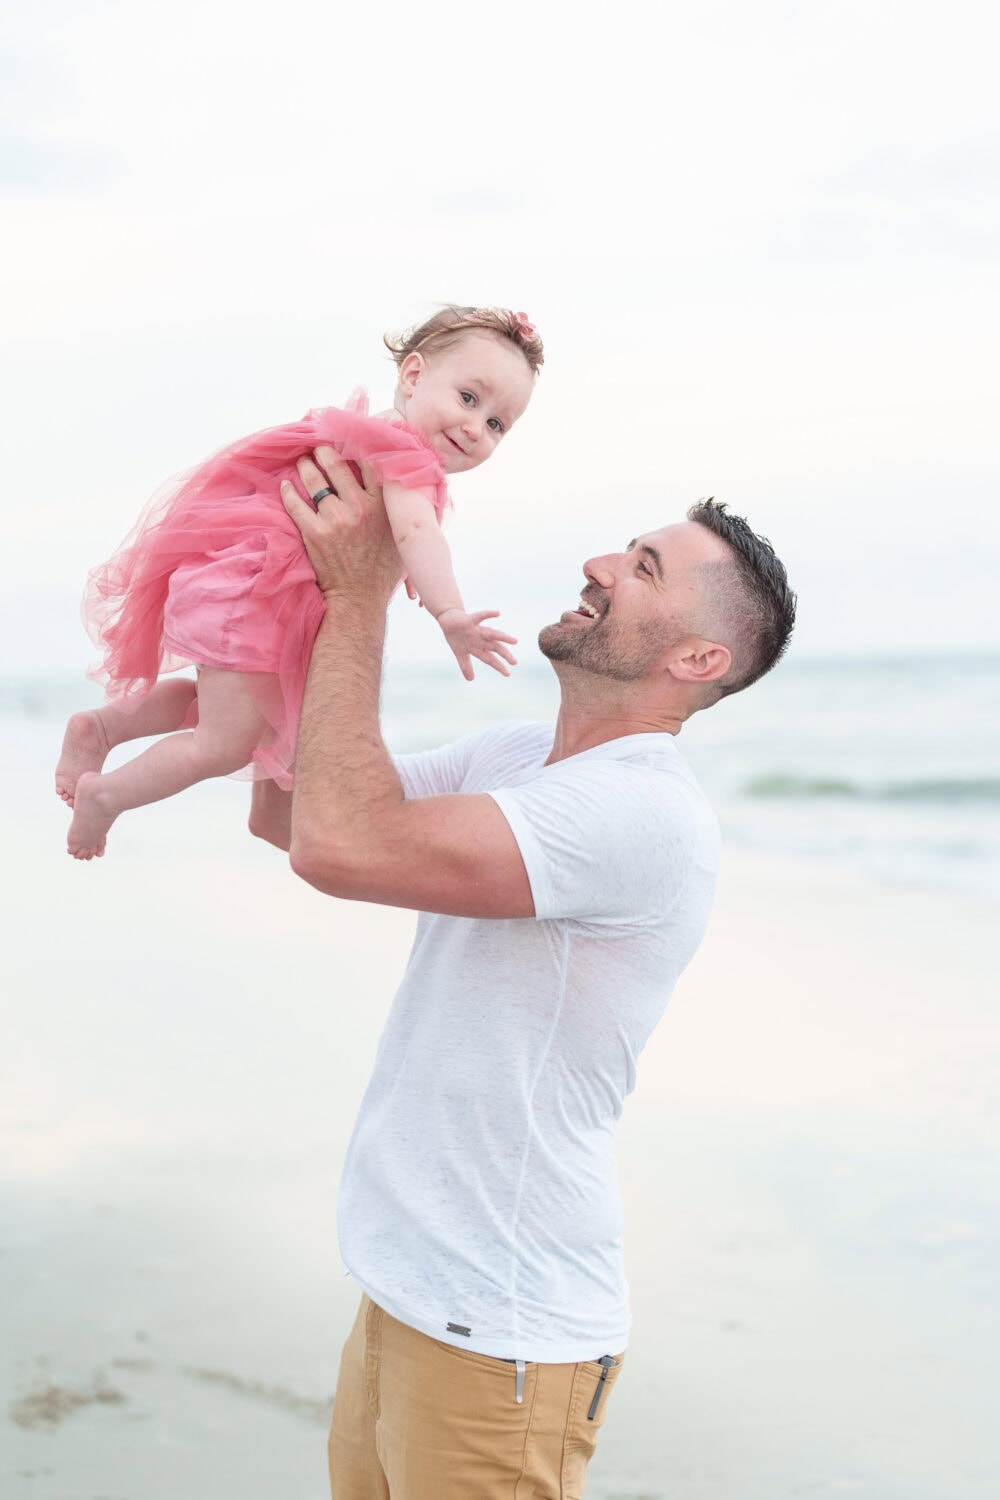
(609, 844)
(434, 773)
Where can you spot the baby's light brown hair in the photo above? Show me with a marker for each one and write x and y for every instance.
(448, 324)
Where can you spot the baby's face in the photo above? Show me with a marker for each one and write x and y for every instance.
(466, 397)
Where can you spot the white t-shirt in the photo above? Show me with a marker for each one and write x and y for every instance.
(479, 1200)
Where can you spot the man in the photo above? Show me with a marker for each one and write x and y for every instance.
(564, 882)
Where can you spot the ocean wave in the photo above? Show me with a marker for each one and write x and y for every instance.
(942, 790)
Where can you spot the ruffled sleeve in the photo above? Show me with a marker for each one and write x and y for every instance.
(399, 453)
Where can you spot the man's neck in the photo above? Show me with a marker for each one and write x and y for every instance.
(594, 711)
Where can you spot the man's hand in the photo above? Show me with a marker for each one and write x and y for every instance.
(347, 535)
(469, 636)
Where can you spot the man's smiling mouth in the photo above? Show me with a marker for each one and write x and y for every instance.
(590, 610)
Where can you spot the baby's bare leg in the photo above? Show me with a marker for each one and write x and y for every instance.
(92, 734)
(229, 729)
(271, 814)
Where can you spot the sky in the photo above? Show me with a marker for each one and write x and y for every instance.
(760, 242)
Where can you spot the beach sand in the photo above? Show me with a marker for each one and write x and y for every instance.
(809, 1165)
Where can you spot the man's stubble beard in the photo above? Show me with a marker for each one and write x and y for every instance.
(603, 649)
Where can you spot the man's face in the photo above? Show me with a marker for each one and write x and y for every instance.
(636, 604)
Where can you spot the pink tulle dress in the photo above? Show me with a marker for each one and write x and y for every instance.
(216, 574)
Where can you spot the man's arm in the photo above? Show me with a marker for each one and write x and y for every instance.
(353, 833)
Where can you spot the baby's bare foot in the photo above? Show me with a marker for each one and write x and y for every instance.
(85, 748)
(92, 817)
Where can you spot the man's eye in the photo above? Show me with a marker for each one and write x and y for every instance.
(495, 424)
(468, 398)
(643, 569)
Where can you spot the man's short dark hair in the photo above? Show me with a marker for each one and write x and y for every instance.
(752, 595)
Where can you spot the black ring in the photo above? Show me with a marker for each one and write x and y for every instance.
(322, 494)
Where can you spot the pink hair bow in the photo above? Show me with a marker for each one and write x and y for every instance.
(522, 326)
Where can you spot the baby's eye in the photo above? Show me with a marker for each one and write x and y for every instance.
(495, 425)
(468, 398)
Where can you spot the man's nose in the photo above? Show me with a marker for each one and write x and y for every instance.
(600, 570)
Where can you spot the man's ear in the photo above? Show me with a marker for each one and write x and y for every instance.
(700, 661)
(410, 371)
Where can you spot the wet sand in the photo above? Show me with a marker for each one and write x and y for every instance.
(809, 1166)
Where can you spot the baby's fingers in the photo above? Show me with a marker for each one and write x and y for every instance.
(492, 660)
(490, 632)
(495, 647)
(494, 654)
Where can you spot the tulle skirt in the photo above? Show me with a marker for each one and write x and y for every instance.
(215, 572)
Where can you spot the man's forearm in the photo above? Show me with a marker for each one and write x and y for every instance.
(346, 787)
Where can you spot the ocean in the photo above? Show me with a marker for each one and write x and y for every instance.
(891, 768)
(888, 767)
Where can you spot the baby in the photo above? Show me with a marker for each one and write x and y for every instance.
(215, 574)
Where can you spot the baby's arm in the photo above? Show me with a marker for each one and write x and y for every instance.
(427, 560)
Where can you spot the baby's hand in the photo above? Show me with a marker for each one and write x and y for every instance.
(469, 637)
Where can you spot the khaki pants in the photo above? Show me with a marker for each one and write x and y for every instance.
(414, 1419)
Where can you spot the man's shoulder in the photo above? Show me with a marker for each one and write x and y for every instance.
(512, 756)
(641, 776)
(516, 732)
(611, 834)
(514, 746)
(647, 769)
(653, 755)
